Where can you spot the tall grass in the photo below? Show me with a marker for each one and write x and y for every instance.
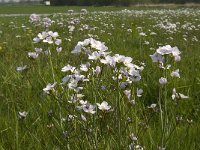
(54, 120)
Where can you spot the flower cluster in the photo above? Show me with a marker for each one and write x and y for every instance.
(124, 71)
(50, 38)
(158, 56)
(38, 21)
(161, 56)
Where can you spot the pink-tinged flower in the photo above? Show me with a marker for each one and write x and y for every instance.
(109, 61)
(58, 41)
(94, 56)
(38, 50)
(123, 85)
(46, 22)
(175, 73)
(77, 48)
(163, 81)
(104, 106)
(47, 52)
(88, 108)
(97, 70)
(156, 57)
(34, 18)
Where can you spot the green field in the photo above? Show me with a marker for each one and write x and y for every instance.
(37, 114)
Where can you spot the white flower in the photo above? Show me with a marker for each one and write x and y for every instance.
(133, 137)
(97, 70)
(104, 106)
(71, 28)
(139, 92)
(22, 115)
(58, 49)
(48, 40)
(72, 84)
(82, 102)
(88, 108)
(84, 67)
(109, 61)
(156, 57)
(142, 34)
(178, 95)
(33, 55)
(70, 11)
(83, 117)
(163, 81)
(175, 73)
(54, 34)
(36, 40)
(49, 87)
(122, 85)
(182, 96)
(94, 56)
(177, 58)
(34, 18)
(42, 35)
(152, 106)
(128, 93)
(65, 79)
(164, 50)
(58, 41)
(174, 94)
(86, 42)
(77, 48)
(98, 45)
(84, 11)
(38, 50)
(68, 68)
(175, 51)
(21, 68)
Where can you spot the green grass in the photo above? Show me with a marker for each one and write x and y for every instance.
(23, 91)
(28, 9)
(41, 9)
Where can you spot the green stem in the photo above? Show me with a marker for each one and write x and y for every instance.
(161, 117)
(51, 64)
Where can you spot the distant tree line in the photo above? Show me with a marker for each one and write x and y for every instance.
(117, 2)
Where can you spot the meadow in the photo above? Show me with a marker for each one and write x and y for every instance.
(99, 78)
